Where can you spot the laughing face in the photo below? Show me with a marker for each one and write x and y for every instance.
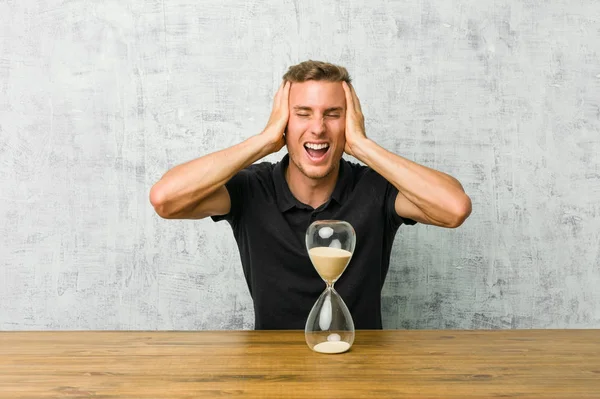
(315, 134)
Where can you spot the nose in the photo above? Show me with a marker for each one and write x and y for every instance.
(318, 126)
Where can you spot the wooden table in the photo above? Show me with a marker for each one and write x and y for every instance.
(268, 364)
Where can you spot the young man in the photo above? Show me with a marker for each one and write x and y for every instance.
(317, 115)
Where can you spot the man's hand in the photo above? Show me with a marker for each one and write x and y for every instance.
(275, 129)
(355, 121)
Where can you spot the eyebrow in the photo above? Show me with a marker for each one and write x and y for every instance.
(305, 108)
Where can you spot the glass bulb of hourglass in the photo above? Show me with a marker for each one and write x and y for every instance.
(330, 245)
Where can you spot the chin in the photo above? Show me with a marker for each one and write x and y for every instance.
(317, 172)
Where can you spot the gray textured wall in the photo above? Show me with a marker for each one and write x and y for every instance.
(99, 99)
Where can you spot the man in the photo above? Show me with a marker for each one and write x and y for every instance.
(317, 115)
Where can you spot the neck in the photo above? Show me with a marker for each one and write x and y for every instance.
(312, 192)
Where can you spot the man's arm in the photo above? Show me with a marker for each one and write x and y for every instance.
(425, 195)
(196, 189)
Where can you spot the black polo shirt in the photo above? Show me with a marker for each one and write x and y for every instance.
(269, 225)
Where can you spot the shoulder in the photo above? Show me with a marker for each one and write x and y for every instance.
(260, 170)
(363, 174)
(251, 185)
(260, 173)
(254, 179)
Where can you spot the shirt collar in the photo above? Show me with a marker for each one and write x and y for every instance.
(285, 198)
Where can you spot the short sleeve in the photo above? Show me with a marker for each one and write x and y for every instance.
(391, 192)
(237, 187)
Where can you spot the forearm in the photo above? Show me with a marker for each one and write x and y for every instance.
(438, 195)
(187, 184)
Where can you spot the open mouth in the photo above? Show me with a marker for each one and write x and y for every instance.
(316, 151)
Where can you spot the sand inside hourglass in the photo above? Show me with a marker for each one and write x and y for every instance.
(329, 262)
(332, 347)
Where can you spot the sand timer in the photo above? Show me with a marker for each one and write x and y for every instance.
(329, 327)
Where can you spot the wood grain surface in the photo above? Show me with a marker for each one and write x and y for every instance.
(278, 364)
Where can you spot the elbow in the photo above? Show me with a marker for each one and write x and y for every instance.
(158, 199)
(462, 210)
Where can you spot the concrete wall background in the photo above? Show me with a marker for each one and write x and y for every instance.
(99, 99)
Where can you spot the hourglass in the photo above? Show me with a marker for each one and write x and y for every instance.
(329, 327)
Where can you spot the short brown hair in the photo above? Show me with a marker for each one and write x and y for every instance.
(317, 70)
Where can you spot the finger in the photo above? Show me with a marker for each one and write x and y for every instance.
(349, 98)
(285, 95)
(356, 101)
(277, 98)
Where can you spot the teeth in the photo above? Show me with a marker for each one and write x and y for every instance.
(316, 146)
